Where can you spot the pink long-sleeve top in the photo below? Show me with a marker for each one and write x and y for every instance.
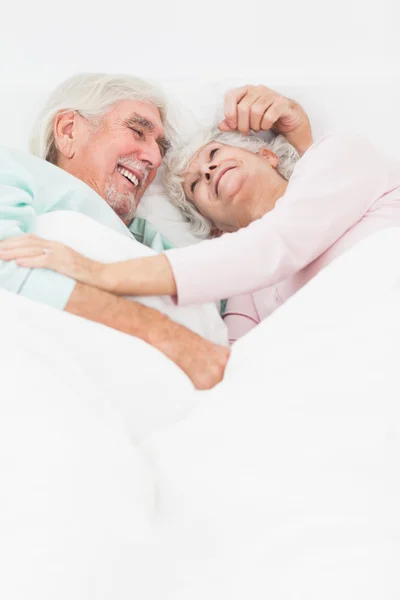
(341, 191)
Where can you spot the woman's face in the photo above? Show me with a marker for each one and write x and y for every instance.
(228, 185)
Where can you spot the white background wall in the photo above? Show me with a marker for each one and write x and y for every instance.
(296, 40)
(340, 59)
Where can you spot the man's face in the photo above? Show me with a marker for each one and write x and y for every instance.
(119, 154)
(227, 184)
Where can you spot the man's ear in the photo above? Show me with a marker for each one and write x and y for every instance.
(270, 156)
(65, 132)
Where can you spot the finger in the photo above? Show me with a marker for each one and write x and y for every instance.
(19, 241)
(244, 109)
(231, 100)
(16, 253)
(279, 108)
(34, 262)
(223, 126)
(270, 117)
(52, 262)
(258, 110)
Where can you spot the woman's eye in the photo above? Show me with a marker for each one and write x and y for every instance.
(194, 185)
(212, 153)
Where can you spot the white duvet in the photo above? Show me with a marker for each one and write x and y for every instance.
(118, 481)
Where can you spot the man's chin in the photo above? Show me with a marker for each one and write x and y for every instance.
(127, 212)
(123, 204)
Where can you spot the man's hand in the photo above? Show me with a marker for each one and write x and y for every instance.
(258, 108)
(202, 361)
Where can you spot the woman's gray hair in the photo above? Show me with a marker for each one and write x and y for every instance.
(92, 95)
(178, 160)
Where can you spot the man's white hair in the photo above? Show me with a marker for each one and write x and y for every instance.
(178, 160)
(92, 95)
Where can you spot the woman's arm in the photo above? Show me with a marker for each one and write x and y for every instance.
(296, 128)
(148, 276)
(240, 316)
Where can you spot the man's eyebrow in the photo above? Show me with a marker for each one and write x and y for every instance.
(136, 119)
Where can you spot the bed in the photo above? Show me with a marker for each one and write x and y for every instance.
(118, 480)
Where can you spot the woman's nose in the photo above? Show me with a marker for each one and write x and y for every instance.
(209, 168)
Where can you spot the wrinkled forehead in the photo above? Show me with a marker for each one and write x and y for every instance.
(145, 114)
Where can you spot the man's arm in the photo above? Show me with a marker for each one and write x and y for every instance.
(19, 208)
(202, 361)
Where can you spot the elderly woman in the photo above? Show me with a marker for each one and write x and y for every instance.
(277, 233)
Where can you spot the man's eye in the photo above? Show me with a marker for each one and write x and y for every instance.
(194, 185)
(163, 150)
(212, 153)
(137, 131)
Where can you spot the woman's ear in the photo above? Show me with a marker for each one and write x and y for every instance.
(270, 156)
(64, 132)
(215, 232)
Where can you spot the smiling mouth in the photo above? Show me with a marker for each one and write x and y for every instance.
(222, 173)
(131, 177)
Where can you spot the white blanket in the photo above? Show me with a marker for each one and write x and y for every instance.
(101, 243)
(282, 482)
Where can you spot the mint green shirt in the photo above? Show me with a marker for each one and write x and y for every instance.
(30, 187)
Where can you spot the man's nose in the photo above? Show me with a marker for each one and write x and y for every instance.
(151, 155)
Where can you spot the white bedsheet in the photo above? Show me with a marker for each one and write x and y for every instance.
(282, 482)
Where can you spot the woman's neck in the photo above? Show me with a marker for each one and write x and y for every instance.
(269, 197)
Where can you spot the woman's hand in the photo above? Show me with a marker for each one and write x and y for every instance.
(258, 108)
(34, 252)
(147, 276)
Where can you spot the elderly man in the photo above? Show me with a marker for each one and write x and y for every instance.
(102, 138)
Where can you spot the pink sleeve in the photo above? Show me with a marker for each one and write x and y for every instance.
(333, 185)
(240, 316)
